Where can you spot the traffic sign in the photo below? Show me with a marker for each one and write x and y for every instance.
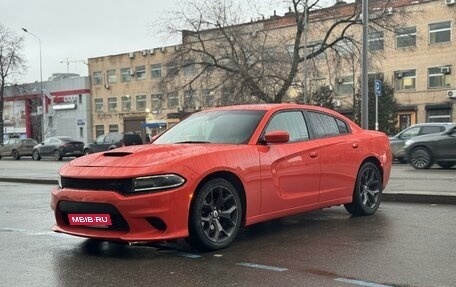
(378, 88)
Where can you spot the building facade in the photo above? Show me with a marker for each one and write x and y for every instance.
(414, 53)
(66, 110)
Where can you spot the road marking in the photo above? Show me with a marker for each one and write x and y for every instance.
(361, 283)
(7, 229)
(180, 253)
(260, 266)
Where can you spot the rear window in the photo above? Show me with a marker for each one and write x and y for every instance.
(432, 130)
(132, 139)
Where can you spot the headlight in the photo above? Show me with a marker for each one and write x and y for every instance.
(155, 182)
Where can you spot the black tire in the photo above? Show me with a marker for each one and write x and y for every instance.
(86, 151)
(367, 195)
(36, 155)
(57, 155)
(215, 216)
(446, 164)
(15, 155)
(421, 158)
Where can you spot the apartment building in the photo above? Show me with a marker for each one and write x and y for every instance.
(415, 53)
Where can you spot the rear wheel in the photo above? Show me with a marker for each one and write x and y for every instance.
(36, 155)
(368, 191)
(86, 151)
(215, 216)
(15, 155)
(57, 155)
(420, 158)
(446, 164)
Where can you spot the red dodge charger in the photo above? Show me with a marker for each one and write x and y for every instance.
(221, 169)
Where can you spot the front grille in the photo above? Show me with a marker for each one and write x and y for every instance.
(70, 207)
(124, 186)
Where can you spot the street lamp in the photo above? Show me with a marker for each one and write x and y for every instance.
(41, 82)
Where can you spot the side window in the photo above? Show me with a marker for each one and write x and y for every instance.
(324, 125)
(292, 122)
(431, 130)
(412, 132)
(343, 128)
(100, 139)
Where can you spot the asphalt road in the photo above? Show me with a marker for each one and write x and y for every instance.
(402, 245)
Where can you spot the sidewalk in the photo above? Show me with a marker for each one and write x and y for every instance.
(25, 171)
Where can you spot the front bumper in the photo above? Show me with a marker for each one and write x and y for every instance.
(145, 217)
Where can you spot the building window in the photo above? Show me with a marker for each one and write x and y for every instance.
(99, 130)
(439, 77)
(314, 46)
(440, 32)
(173, 100)
(172, 69)
(140, 73)
(97, 78)
(125, 75)
(344, 85)
(156, 102)
(155, 71)
(112, 77)
(439, 116)
(141, 103)
(345, 47)
(113, 128)
(290, 50)
(405, 80)
(208, 98)
(189, 67)
(189, 98)
(126, 103)
(81, 132)
(112, 104)
(98, 105)
(406, 37)
(376, 41)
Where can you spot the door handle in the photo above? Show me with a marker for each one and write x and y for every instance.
(313, 154)
(355, 145)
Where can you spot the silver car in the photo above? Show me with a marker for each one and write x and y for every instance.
(397, 142)
(16, 147)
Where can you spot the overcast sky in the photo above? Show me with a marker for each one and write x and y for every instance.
(78, 30)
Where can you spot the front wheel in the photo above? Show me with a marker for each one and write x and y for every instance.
(368, 191)
(215, 215)
(420, 158)
(15, 155)
(36, 155)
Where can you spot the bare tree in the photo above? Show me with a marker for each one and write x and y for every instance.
(11, 64)
(260, 60)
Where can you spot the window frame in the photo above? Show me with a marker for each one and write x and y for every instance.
(111, 76)
(98, 78)
(401, 34)
(445, 78)
(376, 39)
(440, 30)
(156, 71)
(402, 87)
(141, 103)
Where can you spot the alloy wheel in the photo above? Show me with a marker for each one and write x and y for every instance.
(420, 158)
(369, 187)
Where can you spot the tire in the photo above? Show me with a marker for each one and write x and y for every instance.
(446, 164)
(15, 155)
(57, 155)
(420, 158)
(36, 155)
(86, 152)
(215, 215)
(367, 195)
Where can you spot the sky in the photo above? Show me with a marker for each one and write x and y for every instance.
(73, 31)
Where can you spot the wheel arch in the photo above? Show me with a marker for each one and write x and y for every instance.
(376, 162)
(233, 179)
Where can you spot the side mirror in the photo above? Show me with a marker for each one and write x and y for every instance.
(276, 137)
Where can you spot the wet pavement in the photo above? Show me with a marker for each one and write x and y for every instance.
(402, 245)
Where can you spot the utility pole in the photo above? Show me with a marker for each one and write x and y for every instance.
(365, 67)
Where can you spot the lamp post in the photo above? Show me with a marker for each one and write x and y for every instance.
(43, 102)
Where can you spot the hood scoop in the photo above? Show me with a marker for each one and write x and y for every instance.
(116, 154)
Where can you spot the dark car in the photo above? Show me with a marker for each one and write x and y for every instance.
(111, 141)
(397, 142)
(423, 151)
(58, 147)
(16, 147)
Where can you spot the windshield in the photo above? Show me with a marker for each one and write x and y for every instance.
(229, 127)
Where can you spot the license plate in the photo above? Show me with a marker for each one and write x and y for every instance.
(90, 219)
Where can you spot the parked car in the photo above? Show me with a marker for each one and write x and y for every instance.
(397, 142)
(423, 151)
(221, 169)
(17, 147)
(58, 147)
(111, 141)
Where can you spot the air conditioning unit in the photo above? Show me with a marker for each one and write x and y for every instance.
(163, 49)
(180, 108)
(176, 48)
(450, 2)
(144, 53)
(106, 86)
(131, 55)
(398, 75)
(152, 51)
(451, 94)
(132, 72)
(340, 80)
(389, 11)
(197, 108)
(445, 70)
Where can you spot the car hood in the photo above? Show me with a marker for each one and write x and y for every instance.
(150, 155)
